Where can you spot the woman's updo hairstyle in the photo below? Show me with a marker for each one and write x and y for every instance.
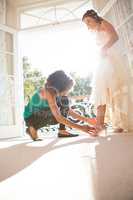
(93, 14)
(59, 81)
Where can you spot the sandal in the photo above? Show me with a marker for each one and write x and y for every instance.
(64, 135)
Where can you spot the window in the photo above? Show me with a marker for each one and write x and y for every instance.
(7, 90)
(54, 14)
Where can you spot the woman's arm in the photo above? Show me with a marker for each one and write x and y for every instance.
(81, 118)
(56, 112)
(113, 36)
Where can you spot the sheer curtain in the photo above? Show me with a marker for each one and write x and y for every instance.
(123, 11)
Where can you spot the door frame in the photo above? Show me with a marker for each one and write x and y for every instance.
(16, 130)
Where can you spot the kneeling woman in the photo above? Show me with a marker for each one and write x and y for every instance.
(50, 106)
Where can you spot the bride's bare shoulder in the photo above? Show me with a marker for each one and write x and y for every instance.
(106, 26)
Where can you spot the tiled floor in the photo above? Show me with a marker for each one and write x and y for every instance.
(81, 168)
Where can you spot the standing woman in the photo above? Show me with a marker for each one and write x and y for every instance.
(110, 91)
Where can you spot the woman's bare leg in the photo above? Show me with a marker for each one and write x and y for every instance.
(100, 117)
(100, 120)
(32, 133)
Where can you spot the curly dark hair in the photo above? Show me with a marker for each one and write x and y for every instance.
(59, 81)
(93, 14)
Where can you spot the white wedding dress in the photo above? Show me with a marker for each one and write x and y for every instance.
(111, 86)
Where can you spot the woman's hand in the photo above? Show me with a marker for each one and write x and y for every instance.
(87, 129)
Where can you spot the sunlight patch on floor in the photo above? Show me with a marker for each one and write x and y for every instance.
(68, 168)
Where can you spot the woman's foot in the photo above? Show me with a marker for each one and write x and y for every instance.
(32, 132)
(64, 133)
(97, 129)
(92, 131)
(100, 126)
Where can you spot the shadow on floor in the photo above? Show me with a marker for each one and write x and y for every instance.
(17, 157)
(113, 171)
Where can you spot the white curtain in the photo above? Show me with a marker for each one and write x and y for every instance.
(123, 10)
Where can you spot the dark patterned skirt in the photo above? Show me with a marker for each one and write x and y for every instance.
(45, 117)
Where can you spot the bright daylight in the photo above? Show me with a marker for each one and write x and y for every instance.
(66, 99)
(67, 47)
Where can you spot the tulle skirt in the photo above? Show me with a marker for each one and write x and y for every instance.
(112, 87)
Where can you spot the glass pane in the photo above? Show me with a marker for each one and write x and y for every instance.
(2, 64)
(110, 16)
(122, 43)
(125, 8)
(120, 11)
(129, 31)
(9, 64)
(7, 103)
(9, 42)
(6, 64)
(1, 40)
(7, 96)
(126, 37)
(6, 42)
(101, 4)
(2, 11)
